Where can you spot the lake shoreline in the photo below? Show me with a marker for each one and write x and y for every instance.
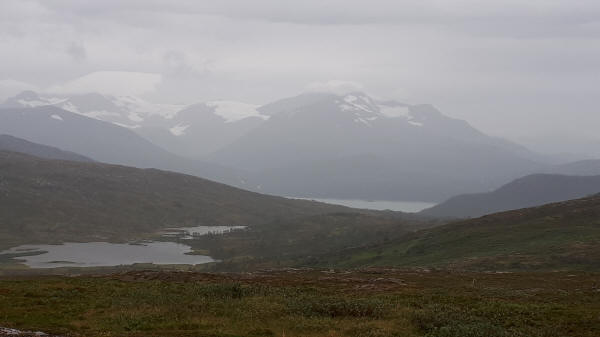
(168, 248)
(377, 205)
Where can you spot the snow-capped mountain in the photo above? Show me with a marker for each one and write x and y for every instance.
(353, 146)
(314, 144)
(192, 131)
(126, 111)
(203, 128)
(102, 141)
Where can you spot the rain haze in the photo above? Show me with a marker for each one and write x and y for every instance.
(308, 168)
(528, 71)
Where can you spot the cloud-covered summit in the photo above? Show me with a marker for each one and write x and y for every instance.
(502, 65)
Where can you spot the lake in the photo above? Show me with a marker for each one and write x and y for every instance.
(105, 254)
(380, 205)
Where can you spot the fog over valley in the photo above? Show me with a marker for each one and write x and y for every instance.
(299, 168)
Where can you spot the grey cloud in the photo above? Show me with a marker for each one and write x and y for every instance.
(502, 65)
(497, 18)
(77, 51)
(178, 66)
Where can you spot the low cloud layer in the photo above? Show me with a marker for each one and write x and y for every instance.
(526, 70)
(110, 83)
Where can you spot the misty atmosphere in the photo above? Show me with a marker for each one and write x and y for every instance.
(315, 168)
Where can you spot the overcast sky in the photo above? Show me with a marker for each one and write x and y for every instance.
(528, 70)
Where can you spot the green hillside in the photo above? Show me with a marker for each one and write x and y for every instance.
(563, 235)
(47, 201)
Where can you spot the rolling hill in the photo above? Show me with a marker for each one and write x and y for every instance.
(529, 191)
(557, 236)
(52, 201)
(14, 144)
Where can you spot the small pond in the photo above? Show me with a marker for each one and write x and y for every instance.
(105, 254)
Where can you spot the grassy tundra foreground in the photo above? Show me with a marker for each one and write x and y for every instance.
(305, 303)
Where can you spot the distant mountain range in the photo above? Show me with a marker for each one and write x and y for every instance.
(126, 111)
(202, 128)
(588, 167)
(311, 145)
(102, 141)
(192, 131)
(529, 191)
(352, 146)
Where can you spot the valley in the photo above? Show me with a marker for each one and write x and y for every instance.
(299, 168)
(135, 241)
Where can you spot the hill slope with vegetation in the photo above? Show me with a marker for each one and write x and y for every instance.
(564, 235)
(46, 201)
(14, 144)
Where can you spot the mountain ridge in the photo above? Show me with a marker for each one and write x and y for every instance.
(14, 144)
(103, 141)
(302, 146)
(529, 191)
(316, 131)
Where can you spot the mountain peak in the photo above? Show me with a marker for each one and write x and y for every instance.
(125, 111)
(358, 101)
(232, 111)
(27, 94)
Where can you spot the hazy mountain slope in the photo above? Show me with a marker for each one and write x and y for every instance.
(127, 111)
(14, 144)
(563, 235)
(588, 167)
(191, 131)
(369, 177)
(102, 141)
(203, 128)
(409, 148)
(529, 191)
(311, 145)
(47, 200)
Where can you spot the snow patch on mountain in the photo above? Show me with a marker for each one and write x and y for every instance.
(57, 117)
(133, 127)
(178, 130)
(102, 115)
(365, 121)
(124, 111)
(40, 101)
(234, 111)
(399, 111)
(357, 103)
(139, 106)
(366, 110)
